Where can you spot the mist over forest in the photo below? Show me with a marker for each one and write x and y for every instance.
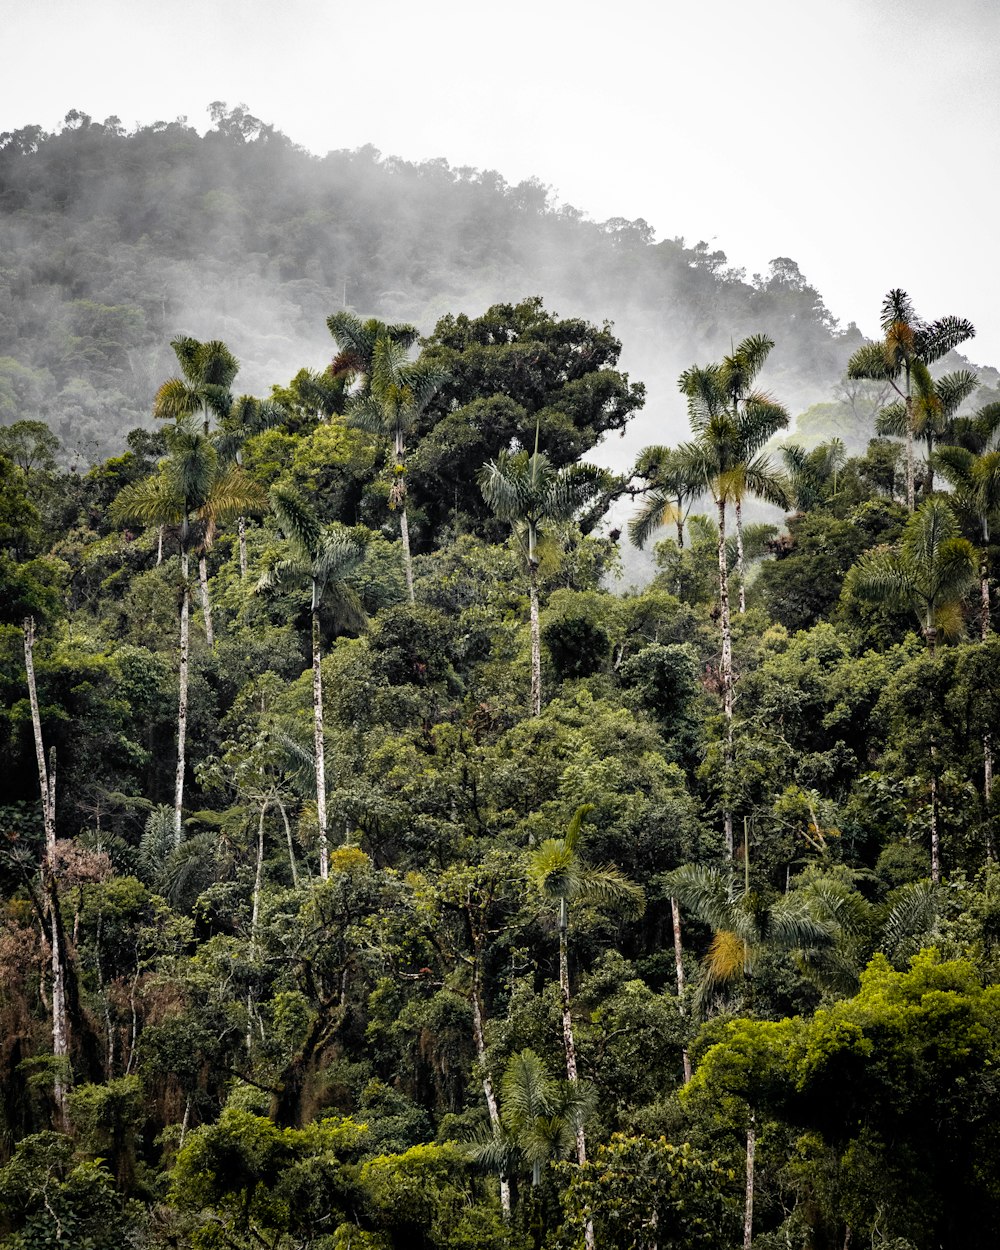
(113, 242)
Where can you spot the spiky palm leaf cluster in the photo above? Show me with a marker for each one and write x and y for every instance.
(906, 338)
(245, 418)
(529, 493)
(321, 557)
(356, 340)
(667, 497)
(731, 423)
(931, 571)
(933, 406)
(558, 871)
(812, 475)
(208, 371)
(539, 1119)
(190, 487)
(744, 924)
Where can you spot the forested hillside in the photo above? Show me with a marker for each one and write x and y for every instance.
(377, 868)
(114, 242)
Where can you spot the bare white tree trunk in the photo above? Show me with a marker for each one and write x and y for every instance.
(726, 669)
(206, 602)
(675, 915)
(404, 532)
(182, 701)
(241, 529)
(536, 640)
(288, 839)
(479, 1034)
(47, 788)
(324, 850)
(748, 1205)
(740, 563)
(910, 476)
(159, 546)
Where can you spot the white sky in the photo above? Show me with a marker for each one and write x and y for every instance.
(859, 137)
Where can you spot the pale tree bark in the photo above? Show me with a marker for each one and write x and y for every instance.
(404, 531)
(570, 1044)
(47, 788)
(536, 640)
(255, 913)
(740, 564)
(748, 1203)
(910, 476)
(324, 850)
(675, 915)
(726, 669)
(479, 1033)
(288, 839)
(397, 497)
(206, 602)
(182, 701)
(241, 529)
(159, 546)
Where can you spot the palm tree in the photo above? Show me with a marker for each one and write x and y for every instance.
(931, 571)
(398, 391)
(557, 870)
(192, 491)
(934, 403)
(203, 391)
(744, 925)
(812, 475)
(527, 492)
(322, 558)
(356, 340)
(538, 1121)
(668, 495)
(906, 341)
(245, 418)
(731, 424)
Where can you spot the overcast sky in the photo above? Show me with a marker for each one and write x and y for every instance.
(859, 137)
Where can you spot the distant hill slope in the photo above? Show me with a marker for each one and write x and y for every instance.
(112, 242)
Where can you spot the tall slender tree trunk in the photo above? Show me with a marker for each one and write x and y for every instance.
(404, 531)
(288, 839)
(680, 527)
(536, 640)
(206, 602)
(740, 564)
(726, 671)
(47, 789)
(570, 1044)
(748, 1203)
(567, 1018)
(910, 476)
(324, 850)
(399, 495)
(182, 700)
(935, 830)
(159, 546)
(675, 915)
(479, 1033)
(241, 529)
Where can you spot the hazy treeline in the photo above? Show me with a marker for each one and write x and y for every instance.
(114, 240)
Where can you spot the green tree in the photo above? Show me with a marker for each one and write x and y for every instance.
(931, 571)
(530, 494)
(934, 402)
(907, 341)
(322, 558)
(190, 490)
(397, 393)
(559, 873)
(669, 492)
